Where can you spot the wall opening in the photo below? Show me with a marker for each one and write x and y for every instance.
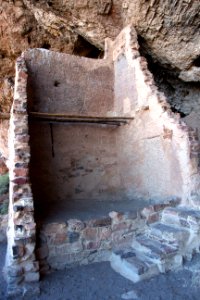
(83, 48)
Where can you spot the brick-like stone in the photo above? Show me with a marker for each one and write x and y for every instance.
(106, 221)
(49, 229)
(122, 225)
(92, 245)
(116, 216)
(90, 233)
(75, 225)
(32, 277)
(105, 233)
(30, 266)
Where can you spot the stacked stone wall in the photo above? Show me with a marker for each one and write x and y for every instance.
(76, 242)
(21, 265)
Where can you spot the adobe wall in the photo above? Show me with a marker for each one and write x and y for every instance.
(157, 152)
(73, 161)
(142, 159)
(62, 83)
(83, 165)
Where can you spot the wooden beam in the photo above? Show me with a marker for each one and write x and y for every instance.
(51, 117)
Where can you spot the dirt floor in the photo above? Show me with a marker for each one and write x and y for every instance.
(99, 282)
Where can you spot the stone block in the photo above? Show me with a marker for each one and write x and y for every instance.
(73, 236)
(152, 218)
(75, 225)
(30, 266)
(14, 281)
(18, 251)
(116, 216)
(60, 238)
(105, 233)
(106, 221)
(68, 248)
(92, 245)
(53, 228)
(90, 233)
(32, 277)
(15, 271)
(121, 226)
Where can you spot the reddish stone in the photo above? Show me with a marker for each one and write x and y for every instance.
(90, 233)
(3, 167)
(105, 233)
(59, 238)
(120, 226)
(159, 207)
(53, 228)
(91, 245)
(21, 172)
(153, 218)
(20, 180)
(22, 74)
(23, 139)
(106, 221)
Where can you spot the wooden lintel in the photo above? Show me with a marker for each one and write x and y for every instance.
(51, 117)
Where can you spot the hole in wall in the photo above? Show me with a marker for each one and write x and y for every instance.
(175, 110)
(29, 39)
(56, 83)
(2, 54)
(83, 48)
(196, 62)
(50, 3)
(46, 46)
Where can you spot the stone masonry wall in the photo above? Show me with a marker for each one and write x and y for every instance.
(76, 242)
(22, 269)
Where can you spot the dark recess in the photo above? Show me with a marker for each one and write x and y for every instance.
(196, 62)
(165, 78)
(56, 83)
(86, 49)
(46, 46)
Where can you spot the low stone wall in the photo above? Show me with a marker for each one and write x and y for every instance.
(63, 245)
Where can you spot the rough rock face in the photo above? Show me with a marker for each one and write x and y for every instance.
(168, 30)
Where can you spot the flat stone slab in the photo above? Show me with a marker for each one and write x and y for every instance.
(181, 216)
(170, 233)
(153, 248)
(132, 267)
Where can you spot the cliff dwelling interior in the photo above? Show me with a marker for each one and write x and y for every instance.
(97, 157)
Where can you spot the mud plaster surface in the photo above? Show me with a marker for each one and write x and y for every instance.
(99, 282)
